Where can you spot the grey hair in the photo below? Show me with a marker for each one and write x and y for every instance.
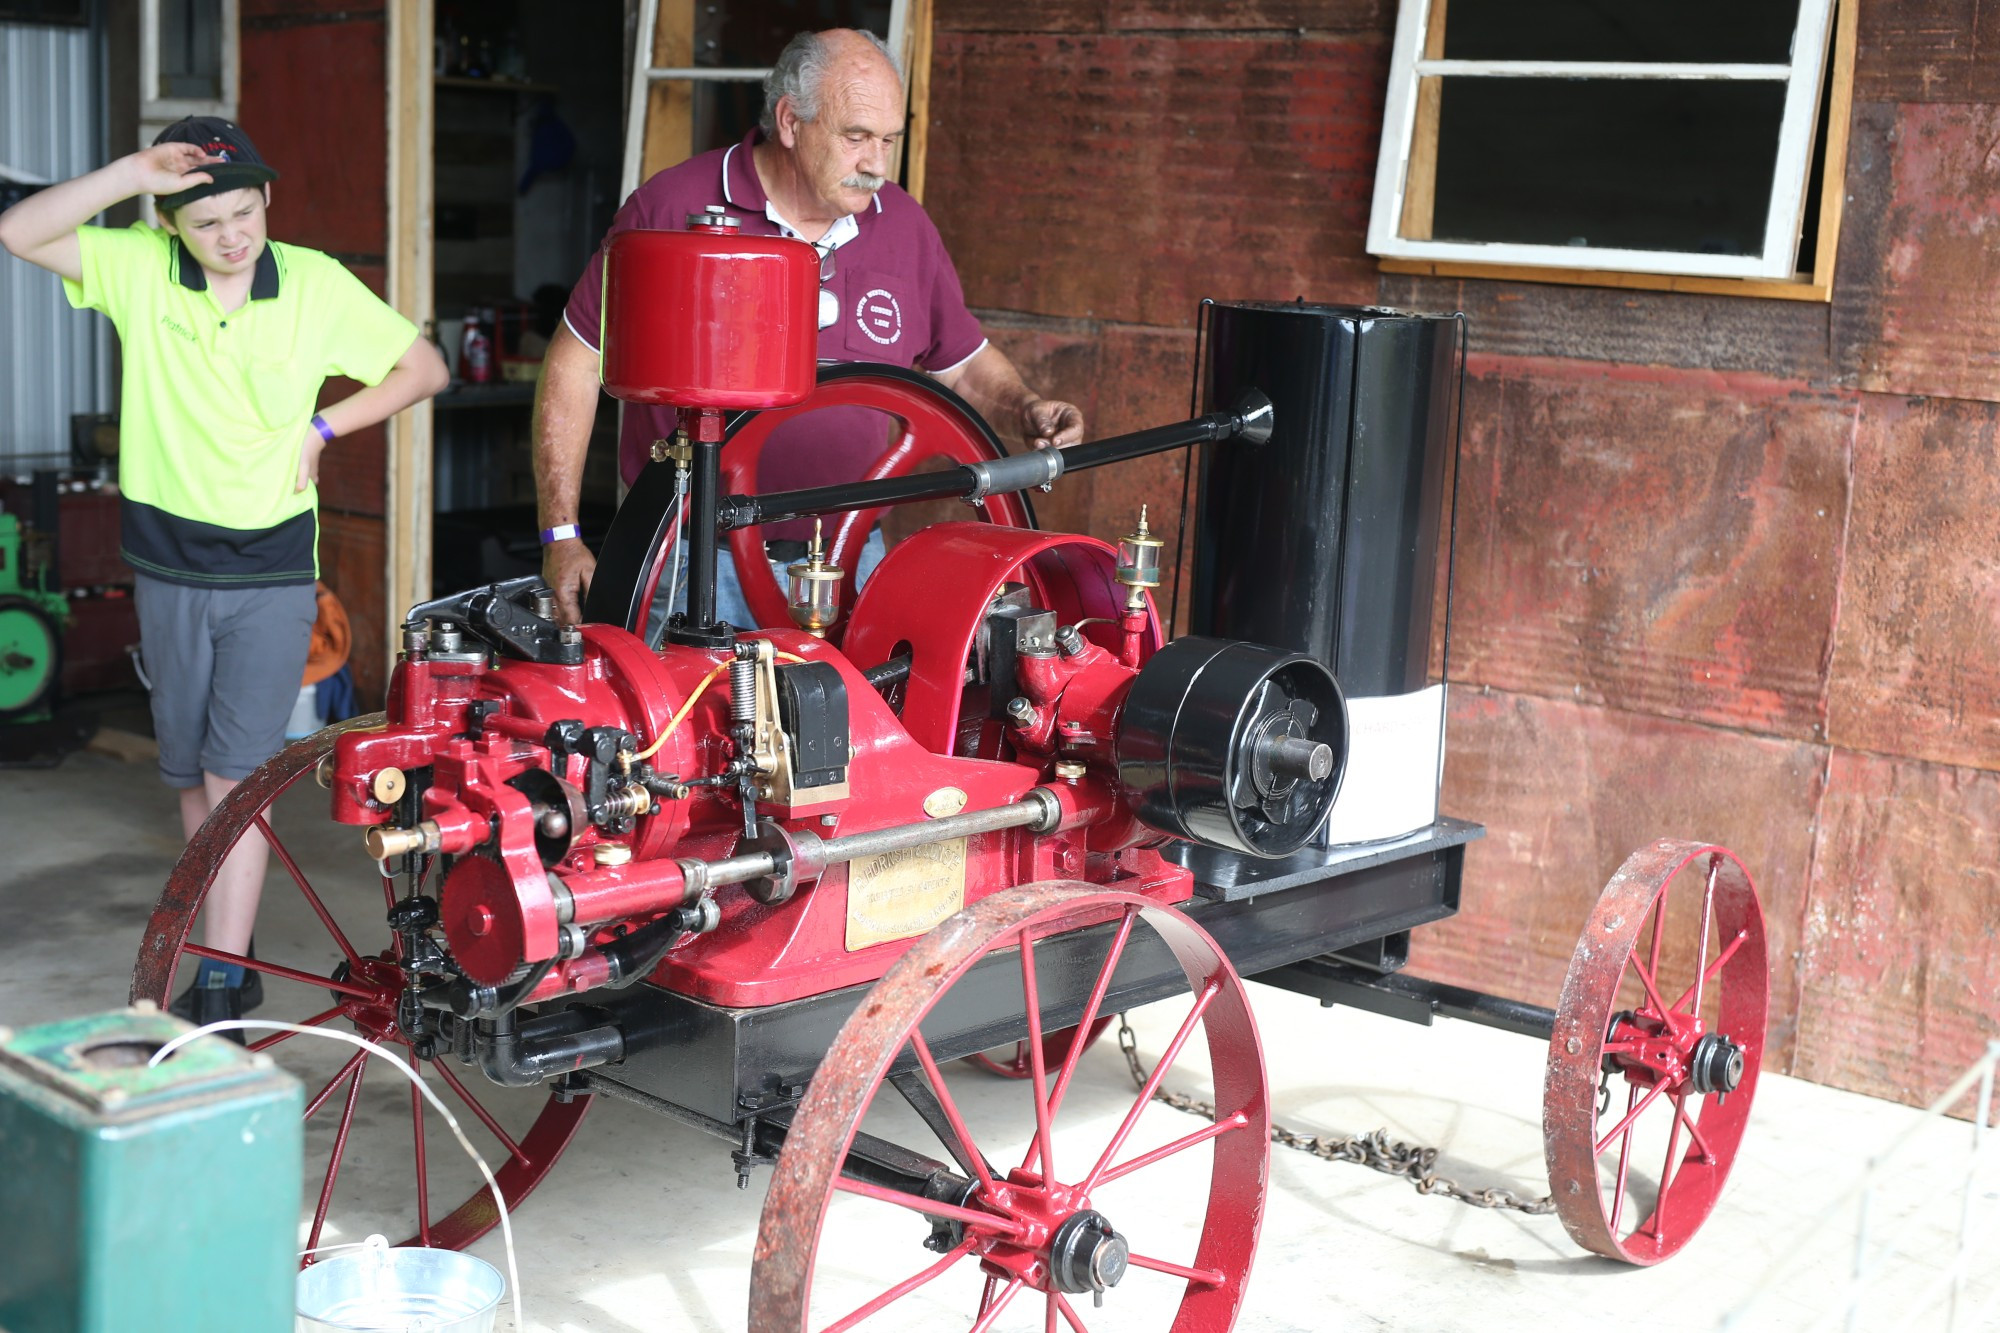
(800, 70)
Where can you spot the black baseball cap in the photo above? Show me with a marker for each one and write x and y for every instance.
(241, 166)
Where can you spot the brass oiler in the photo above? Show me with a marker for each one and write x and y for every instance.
(1139, 563)
(814, 591)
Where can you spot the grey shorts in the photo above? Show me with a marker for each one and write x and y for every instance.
(226, 666)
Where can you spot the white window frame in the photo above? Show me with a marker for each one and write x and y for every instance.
(156, 112)
(1803, 78)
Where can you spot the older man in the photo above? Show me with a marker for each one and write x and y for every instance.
(816, 169)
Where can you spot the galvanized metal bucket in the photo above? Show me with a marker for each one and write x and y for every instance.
(378, 1289)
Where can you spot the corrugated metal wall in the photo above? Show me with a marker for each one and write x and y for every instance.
(53, 360)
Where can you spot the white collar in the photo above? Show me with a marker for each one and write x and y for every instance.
(839, 234)
(844, 229)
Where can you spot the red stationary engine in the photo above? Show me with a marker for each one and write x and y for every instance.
(758, 823)
(752, 818)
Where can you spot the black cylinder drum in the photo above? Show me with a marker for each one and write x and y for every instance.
(1234, 745)
(1325, 539)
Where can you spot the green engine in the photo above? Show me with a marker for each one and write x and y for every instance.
(31, 623)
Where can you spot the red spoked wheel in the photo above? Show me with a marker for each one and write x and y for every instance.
(1657, 1045)
(1055, 1050)
(315, 974)
(830, 1250)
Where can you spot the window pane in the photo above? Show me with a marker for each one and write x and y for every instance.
(1724, 31)
(1609, 163)
(73, 12)
(191, 49)
(748, 34)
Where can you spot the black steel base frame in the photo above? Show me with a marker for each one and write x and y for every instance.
(722, 1066)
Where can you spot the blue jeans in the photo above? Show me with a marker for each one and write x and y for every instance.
(730, 605)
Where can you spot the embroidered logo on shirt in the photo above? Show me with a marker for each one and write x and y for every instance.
(879, 316)
(169, 322)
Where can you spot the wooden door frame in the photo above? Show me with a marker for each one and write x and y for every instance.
(412, 290)
(412, 271)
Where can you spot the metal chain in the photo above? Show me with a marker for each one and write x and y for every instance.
(1375, 1150)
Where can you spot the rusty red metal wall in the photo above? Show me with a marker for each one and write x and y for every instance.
(1727, 568)
(315, 98)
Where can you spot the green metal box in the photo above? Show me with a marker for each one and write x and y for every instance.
(137, 1200)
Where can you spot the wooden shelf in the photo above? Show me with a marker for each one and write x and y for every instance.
(492, 85)
(500, 393)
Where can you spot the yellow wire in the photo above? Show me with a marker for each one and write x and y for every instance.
(681, 716)
(692, 699)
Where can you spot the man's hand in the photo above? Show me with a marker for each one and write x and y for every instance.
(1049, 422)
(566, 567)
(309, 448)
(169, 168)
(989, 381)
(565, 403)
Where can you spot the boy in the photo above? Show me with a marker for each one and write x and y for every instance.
(226, 338)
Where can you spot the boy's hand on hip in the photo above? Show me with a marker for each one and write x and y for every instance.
(309, 452)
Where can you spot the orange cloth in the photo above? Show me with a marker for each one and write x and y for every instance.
(331, 639)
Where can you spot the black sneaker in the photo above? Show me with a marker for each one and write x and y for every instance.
(252, 992)
(202, 1005)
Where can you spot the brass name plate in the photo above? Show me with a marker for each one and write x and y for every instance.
(899, 894)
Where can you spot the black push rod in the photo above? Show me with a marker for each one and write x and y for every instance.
(1249, 420)
(702, 534)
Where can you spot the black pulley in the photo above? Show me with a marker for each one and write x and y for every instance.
(1233, 744)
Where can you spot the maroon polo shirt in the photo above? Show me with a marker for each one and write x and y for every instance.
(900, 304)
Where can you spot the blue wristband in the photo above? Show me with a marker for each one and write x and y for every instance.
(325, 431)
(560, 532)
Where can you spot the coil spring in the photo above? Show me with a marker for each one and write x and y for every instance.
(632, 801)
(743, 690)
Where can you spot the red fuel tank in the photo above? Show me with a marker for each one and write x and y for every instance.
(709, 318)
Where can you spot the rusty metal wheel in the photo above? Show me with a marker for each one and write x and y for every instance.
(1665, 1002)
(523, 1133)
(1052, 1225)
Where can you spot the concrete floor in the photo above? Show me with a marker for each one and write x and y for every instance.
(640, 1228)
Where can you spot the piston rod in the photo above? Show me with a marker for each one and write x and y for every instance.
(1038, 809)
(1250, 420)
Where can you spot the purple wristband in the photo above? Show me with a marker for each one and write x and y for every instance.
(325, 431)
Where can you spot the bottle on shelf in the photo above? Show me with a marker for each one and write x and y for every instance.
(475, 347)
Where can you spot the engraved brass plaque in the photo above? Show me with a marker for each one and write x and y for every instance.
(903, 893)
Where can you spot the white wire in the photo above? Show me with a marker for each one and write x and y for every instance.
(416, 1079)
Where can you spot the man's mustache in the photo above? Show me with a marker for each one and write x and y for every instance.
(861, 180)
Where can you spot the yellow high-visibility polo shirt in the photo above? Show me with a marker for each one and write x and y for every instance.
(215, 407)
